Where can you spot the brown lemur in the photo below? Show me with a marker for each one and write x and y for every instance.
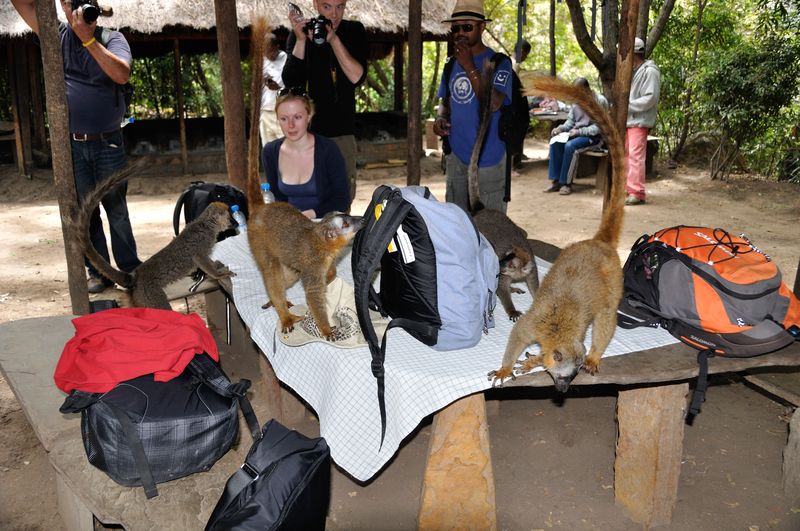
(286, 245)
(185, 253)
(584, 285)
(510, 241)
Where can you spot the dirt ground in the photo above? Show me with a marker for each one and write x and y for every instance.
(553, 461)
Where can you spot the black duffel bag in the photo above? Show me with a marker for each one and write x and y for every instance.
(283, 484)
(144, 432)
(194, 200)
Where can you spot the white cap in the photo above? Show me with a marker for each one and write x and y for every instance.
(638, 45)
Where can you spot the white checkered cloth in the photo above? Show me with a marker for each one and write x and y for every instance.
(339, 385)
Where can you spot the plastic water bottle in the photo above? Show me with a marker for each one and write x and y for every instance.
(126, 121)
(268, 196)
(238, 216)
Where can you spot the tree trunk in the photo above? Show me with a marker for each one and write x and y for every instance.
(687, 100)
(414, 92)
(232, 91)
(154, 92)
(56, 99)
(200, 77)
(434, 79)
(553, 38)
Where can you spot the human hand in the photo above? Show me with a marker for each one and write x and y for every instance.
(83, 30)
(555, 131)
(297, 22)
(441, 126)
(573, 133)
(463, 54)
(271, 84)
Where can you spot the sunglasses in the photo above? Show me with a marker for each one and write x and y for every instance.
(294, 91)
(466, 28)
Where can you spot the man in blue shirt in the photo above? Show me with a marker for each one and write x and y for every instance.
(97, 63)
(458, 116)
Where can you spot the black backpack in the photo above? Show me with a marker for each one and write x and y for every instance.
(194, 200)
(283, 484)
(514, 117)
(144, 432)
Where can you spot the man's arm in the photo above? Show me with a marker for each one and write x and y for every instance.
(114, 67)
(353, 68)
(294, 71)
(27, 10)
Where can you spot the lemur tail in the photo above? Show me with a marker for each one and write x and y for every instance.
(485, 101)
(611, 222)
(84, 214)
(258, 44)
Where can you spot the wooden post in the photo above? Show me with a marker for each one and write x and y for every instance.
(18, 110)
(176, 53)
(414, 92)
(791, 460)
(56, 96)
(23, 75)
(398, 75)
(39, 130)
(649, 447)
(232, 91)
(458, 488)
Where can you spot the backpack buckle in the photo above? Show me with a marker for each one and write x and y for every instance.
(377, 368)
(250, 471)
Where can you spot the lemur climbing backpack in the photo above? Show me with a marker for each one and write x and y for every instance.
(714, 291)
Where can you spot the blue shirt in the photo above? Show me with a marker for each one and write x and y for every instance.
(301, 196)
(465, 111)
(96, 103)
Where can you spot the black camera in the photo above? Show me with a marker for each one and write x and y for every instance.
(319, 29)
(91, 10)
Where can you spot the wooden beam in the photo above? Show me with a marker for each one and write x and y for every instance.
(649, 448)
(398, 75)
(414, 92)
(39, 133)
(458, 488)
(17, 111)
(232, 91)
(176, 54)
(791, 460)
(23, 75)
(56, 96)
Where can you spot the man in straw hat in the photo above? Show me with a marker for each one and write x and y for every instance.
(458, 116)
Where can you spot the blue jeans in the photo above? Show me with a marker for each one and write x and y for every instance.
(561, 155)
(93, 161)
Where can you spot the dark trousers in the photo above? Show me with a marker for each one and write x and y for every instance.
(93, 161)
(561, 156)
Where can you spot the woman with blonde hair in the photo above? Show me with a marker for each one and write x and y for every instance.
(306, 170)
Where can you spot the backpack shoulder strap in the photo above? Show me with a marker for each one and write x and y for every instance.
(446, 72)
(208, 372)
(176, 214)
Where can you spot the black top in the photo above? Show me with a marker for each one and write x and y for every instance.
(328, 86)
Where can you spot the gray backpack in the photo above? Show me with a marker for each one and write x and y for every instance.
(438, 274)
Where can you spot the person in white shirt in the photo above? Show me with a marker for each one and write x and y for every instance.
(273, 67)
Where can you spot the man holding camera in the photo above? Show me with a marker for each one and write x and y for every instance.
(97, 63)
(328, 57)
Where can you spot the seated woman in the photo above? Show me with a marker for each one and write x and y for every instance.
(581, 133)
(304, 169)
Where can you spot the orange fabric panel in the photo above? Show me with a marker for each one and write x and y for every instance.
(708, 306)
(793, 312)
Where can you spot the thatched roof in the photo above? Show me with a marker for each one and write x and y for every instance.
(147, 16)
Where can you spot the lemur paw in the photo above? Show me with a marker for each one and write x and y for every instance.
(591, 366)
(528, 364)
(497, 377)
(516, 314)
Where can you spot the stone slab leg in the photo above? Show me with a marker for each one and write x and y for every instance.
(458, 487)
(649, 448)
(74, 514)
(791, 460)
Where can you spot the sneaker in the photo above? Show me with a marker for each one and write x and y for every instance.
(555, 187)
(97, 285)
(633, 200)
(565, 190)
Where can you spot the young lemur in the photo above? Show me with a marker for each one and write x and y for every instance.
(286, 244)
(510, 242)
(185, 253)
(584, 285)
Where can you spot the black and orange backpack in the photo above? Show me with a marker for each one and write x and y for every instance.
(714, 291)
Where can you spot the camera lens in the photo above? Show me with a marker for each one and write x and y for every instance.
(90, 13)
(320, 31)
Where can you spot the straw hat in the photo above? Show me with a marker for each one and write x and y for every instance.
(468, 10)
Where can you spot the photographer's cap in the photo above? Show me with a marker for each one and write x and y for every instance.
(468, 10)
